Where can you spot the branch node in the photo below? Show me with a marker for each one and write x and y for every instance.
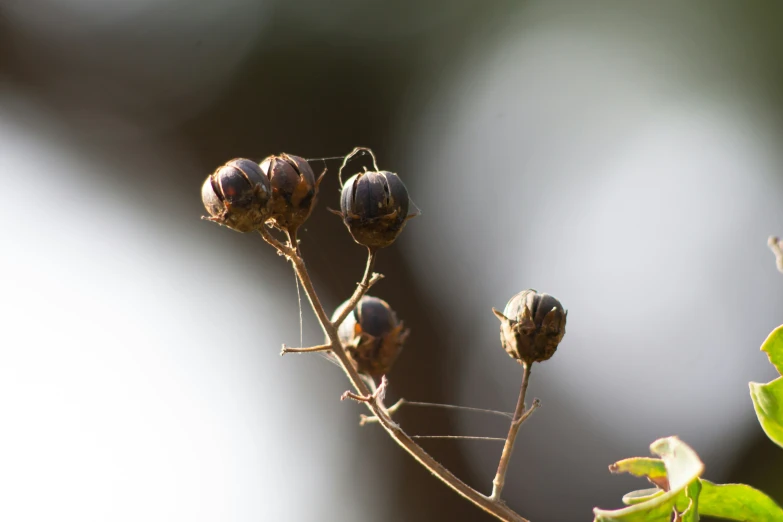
(377, 396)
(357, 398)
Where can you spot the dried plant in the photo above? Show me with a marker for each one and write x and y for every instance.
(364, 337)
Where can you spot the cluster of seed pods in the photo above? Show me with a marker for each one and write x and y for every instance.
(281, 192)
(244, 195)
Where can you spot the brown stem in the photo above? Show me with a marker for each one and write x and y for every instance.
(460, 437)
(497, 509)
(367, 281)
(391, 410)
(508, 448)
(290, 233)
(309, 349)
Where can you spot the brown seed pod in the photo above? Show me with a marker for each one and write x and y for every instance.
(374, 207)
(372, 336)
(531, 326)
(237, 195)
(294, 190)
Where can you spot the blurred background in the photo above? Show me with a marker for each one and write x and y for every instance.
(624, 157)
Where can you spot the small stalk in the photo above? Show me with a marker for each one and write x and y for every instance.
(508, 448)
(367, 281)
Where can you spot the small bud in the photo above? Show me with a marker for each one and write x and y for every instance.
(372, 336)
(294, 189)
(374, 207)
(531, 326)
(237, 195)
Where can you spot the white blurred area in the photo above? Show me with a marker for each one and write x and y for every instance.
(140, 376)
(629, 166)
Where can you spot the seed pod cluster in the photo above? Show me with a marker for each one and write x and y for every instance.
(237, 195)
(294, 190)
(372, 336)
(531, 326)
(374, 207)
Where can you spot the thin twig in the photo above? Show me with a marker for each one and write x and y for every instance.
(293, 243)
(350, 155)
(455, 407)
(377, 396)
(497, 509)
(367, 281)
(466, 437)
(309, 349)
(365, 419)
(369, 419)
(508, 448)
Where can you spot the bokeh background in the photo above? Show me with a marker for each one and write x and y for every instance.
(623, 156)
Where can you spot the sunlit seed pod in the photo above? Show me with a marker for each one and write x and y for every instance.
(294, 190)
(532, 326)
(237, 195)
(372, 335)
(374, 207)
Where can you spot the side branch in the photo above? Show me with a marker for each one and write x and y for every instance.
(309, 349)
(367, 281)
(364, 419)
(519, 417)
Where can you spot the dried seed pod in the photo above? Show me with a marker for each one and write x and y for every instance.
(374, 207)
(372, 336)
(531, 326)
(294, 190)
(237, 195)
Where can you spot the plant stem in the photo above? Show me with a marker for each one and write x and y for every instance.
(461, 437)
(508, 448)
(455, 407)
(309, 349)
(367, 281)
(498, 510)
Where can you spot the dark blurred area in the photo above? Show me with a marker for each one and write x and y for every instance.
(623, 157)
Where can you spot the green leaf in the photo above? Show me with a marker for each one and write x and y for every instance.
(642, 495)
(773, 346)
(682, 466)
(737, 502)
(768, 402)
(691, 513)
(682, 463)
(768, 398)
(658, 510)
(653, 469)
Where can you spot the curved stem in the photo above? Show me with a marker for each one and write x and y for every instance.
(508, 448)
(497, 509)
(367, 281)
